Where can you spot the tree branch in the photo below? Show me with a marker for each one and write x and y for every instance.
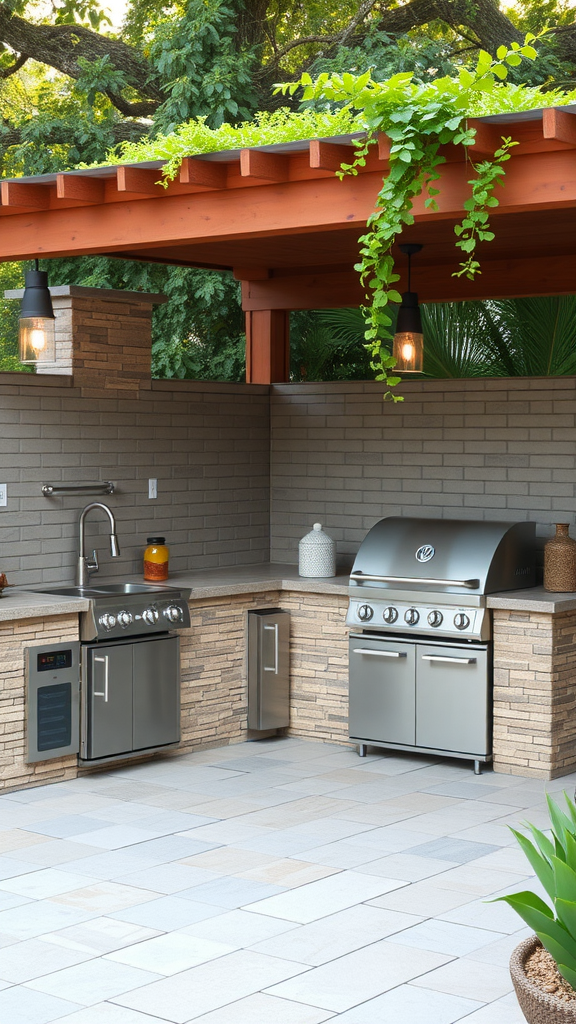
(19, 63)
(337, 37)
(59, 135)
(60, 46)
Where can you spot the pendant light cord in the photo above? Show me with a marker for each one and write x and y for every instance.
(409, 271)
(36, 266)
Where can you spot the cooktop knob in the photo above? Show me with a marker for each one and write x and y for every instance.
(125, 619)
(108, 621)
(173, 613)
(435, 618)
(390, 614)
(365, 612)
(461, 621)
(412, 616)
(150, 615)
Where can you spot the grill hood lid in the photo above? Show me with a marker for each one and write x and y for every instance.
(458, 556)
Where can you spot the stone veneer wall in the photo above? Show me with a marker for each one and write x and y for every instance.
(14, 637)
(318, 666)
(488, 449)
(207, 444)
(534, 693)
(214, 678)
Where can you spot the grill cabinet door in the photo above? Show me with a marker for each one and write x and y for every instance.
(382, 690)
(156, 692)
(453, 699)
(109, 696)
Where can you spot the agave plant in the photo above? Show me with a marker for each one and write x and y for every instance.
(554, 861)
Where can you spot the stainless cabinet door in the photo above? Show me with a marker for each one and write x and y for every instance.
(382, 690)
(109, 713)
(268, 669)
(156, 692)
(452, 699)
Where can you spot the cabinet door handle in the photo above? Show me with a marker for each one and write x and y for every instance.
(273, 668)
(379, 654)
(105, 662)
(457, 661)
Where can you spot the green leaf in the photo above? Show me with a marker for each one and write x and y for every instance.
(538, 861)
(569, 973)
(564, 879)
(566, 913)
(501, 52)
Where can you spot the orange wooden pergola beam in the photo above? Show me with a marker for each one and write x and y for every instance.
(545, 181)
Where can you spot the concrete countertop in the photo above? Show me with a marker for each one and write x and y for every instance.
(250, 579)
(23, 604)
(19, 603)
(534, 599)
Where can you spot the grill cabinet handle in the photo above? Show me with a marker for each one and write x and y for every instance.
(458, 661)
(379, 654)
(427, 581)
(273, 668)
(105, 662)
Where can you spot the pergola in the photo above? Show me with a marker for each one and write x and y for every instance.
(288, 228)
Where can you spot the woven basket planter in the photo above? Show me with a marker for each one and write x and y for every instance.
(537, 1006)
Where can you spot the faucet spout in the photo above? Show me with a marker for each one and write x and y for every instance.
(85, 566)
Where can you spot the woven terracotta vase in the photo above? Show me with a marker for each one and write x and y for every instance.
(537, 1006)
(560, 561)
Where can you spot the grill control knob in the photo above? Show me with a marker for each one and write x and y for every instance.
(412, 616)
(461, 621)
(125, 619)
(150, 615)
(173, 613)
(435, 618)
(108, 621)
(365, 612)
(390, 614)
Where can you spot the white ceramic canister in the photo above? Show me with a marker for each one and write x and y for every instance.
(317, 553)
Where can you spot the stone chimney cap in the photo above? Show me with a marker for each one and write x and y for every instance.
(110, 294)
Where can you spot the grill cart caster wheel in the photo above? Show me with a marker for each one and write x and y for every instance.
(477, 768)
(362, 750)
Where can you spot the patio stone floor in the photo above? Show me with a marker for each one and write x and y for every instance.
(276, 882)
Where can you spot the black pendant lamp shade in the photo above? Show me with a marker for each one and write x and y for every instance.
(36, 333)
(408, 346)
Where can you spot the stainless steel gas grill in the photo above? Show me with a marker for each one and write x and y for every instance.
(420, 650)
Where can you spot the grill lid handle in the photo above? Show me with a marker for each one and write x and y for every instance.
(427, 581)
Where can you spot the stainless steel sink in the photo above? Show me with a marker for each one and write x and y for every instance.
(110, 589)
(69, 591)
(128, 588)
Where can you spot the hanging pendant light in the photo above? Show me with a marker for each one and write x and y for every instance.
(408, 345)
(37, 325)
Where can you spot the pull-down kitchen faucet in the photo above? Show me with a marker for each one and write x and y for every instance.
(86, 566)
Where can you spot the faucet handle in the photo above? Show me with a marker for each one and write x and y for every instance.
(92, 563)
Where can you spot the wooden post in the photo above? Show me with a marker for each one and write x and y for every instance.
(267, 346)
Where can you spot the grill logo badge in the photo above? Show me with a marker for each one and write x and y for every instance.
(425, 553)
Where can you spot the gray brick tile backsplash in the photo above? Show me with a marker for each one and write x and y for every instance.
(236, 471)
(493, 449)
(208, 447)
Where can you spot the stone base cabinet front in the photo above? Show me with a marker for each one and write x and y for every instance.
(538, 1007)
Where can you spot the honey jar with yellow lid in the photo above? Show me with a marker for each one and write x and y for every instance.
(156, 558)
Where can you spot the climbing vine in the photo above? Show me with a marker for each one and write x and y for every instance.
(418, 119)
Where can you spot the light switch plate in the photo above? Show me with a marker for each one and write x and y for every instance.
(152, 487)
(3, 494)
